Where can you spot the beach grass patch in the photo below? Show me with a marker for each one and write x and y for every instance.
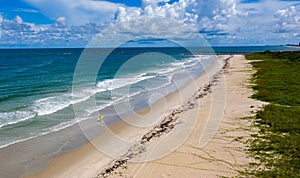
(276, 146)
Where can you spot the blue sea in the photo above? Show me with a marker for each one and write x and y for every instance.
(37, 85)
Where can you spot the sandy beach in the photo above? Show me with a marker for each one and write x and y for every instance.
(196, 132)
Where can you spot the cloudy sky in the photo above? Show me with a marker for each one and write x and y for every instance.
(73, 23)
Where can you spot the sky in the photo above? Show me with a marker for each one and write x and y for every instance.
(74, 23)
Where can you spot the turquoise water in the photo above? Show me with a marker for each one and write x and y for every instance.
(36, 94)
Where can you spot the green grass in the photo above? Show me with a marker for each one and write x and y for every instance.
(276, 147)
(278, 77)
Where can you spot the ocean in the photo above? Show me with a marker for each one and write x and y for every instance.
(37, 85)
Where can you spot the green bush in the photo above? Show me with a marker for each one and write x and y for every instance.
(277, 146)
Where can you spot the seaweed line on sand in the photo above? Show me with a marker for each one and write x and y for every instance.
(165, 126)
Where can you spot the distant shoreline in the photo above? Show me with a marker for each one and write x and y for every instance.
(219, 50)
(293, 46)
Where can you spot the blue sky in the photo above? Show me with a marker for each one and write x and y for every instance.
(73, 23)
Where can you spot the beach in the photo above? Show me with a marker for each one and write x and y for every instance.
(179, 144)
(150, 88)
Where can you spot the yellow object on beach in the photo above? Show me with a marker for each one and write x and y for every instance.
(100, 118)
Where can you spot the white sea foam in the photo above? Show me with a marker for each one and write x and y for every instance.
(178, 64)
(56, 128)
(111, 84)
(59, 126)
(9, 118)
(3, 145)
(115, 83)
(51, 105)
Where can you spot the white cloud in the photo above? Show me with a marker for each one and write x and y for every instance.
(288, 20)
(77, 12)
(122, 13)
(152, 3)
(222, 22)
(260, 24)
(18, 20)
(1, 20)
(61, 22)
(143, 29)
(26, 10)
(212, 15)
(16, 33)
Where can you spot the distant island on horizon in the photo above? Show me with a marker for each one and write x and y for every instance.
(293, 45)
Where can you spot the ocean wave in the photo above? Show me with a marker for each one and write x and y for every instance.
(6, 144)
(10, 118)
(51, 105)
(55, 128)
(115, 83)
(59, 126)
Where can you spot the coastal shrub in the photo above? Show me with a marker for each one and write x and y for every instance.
(276, 148)
(277, 78)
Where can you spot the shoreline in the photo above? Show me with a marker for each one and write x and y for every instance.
(57, 167)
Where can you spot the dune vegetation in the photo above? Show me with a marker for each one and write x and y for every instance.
(276, 145)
